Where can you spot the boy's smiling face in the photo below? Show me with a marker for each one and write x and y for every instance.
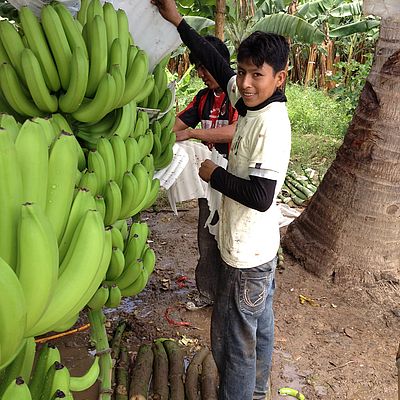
(257, 84)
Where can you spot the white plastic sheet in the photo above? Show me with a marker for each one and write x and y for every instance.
(149, 29)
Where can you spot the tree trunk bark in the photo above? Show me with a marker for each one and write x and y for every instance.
(220, 19)
(350, 231)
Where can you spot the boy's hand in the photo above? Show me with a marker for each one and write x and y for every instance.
(206, 169)
(168, 10)
(184, 134)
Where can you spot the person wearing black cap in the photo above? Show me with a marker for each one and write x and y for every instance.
(210, 109)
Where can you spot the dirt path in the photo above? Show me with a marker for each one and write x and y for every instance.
(339, 343)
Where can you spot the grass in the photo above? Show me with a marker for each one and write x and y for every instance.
(319, 123)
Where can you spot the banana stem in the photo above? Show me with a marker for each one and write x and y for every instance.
(99, 338)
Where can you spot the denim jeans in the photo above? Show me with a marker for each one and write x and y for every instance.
(242, 330)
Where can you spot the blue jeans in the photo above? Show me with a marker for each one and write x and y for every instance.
(242, 330)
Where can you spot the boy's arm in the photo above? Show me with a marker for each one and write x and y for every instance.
(204, 51)
(257, 193)
(223, 134)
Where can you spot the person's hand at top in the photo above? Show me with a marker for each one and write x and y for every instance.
(168, 10)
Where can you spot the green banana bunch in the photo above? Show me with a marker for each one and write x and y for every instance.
(81, 383)
(37, 267)
(79, 268)
(10, 198)
(12, 315)
(142, 124)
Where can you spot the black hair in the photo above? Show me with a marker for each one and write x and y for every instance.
(217, 44)
(265, 47)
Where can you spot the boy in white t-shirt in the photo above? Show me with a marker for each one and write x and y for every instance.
(242, 326)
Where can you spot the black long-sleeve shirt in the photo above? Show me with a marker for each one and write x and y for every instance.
(256, 193)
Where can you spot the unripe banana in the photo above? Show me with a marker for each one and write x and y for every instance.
(126, 121)
(82, 12)
(117, 238)
(145, 143)
(58, 43)
(137, 242)
(47, 127)
(98, 54)
(137, 286)
(153, 98)
(142, 177)
(46, 393)
(148, 162)
(36, 82)
(119, 79)
(117, 264)
(38, 44)
(122, 225)
(153, 194)
(129, 192)
(141, 229)
(94, 110)
(123, 35)
(98, 300)
(63, 163)
(132, 52)
(156, 150)
(12, 314)
(71, 29)
(111, 21)
(94, 9)
(105, 149)
(72, 99)
(83, 261)
(149, 260)
(165, 120)
(165, 100)
(9, 123)
(142, 124)
(20, 367)
(136, 77)
(114, 297)
(47, 356)
(81, 383)
(3, 54)
(96, 164)
(13, 44)
(146, 89)
(113, 201)
(61, 379)
(132, 153)
(120, 156)
(17, 390)
(10, 198)
(83, 202)
(37, 267)
(15, 93)
(100, 205)
(34, 170)
(130, 274)
(89, 182)
(165, 158)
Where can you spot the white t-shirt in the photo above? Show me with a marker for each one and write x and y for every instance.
(261, 147)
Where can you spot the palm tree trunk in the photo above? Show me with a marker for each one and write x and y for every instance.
(350, 231)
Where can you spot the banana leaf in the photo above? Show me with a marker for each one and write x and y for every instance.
(348, 9)
(355, 27)
(315, 9)
(199, 23)
(290, 26)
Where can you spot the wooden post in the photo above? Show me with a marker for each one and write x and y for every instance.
(220, 19)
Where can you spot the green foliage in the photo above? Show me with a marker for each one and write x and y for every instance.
(350, 80)
(319, 124)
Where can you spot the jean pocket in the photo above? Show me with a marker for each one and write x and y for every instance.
(254, 289)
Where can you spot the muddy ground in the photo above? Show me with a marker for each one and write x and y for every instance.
(339, 343)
